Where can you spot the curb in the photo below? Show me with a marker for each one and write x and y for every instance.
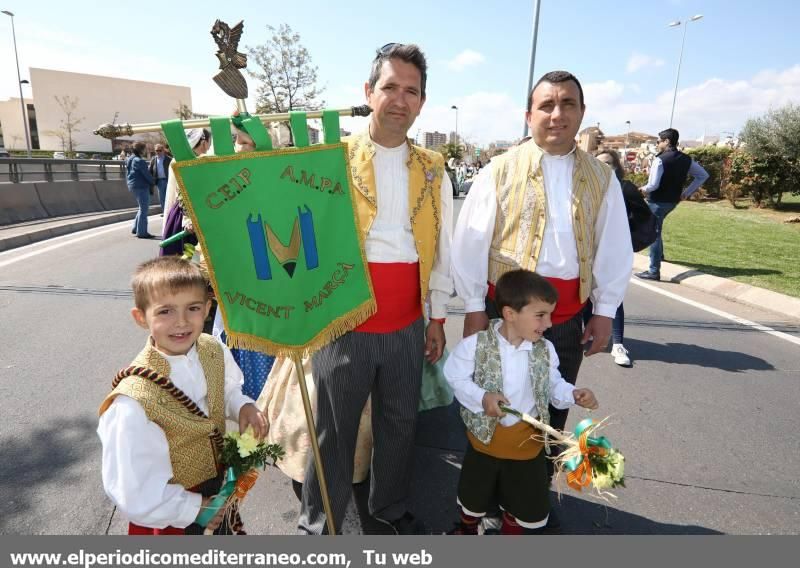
(67, 227)
(735, 291)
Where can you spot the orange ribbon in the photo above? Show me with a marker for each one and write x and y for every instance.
(245, 483)
(581, 476)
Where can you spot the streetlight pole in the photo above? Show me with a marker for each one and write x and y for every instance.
(675, 24)
(19, 81)
(628, 135)
(533, 58)
(454, 107)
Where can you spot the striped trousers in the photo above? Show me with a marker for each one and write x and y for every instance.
(387, 366)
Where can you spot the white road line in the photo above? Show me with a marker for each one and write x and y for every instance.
(64, 240)
(720, 313)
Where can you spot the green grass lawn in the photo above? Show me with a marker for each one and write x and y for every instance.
(746, 245)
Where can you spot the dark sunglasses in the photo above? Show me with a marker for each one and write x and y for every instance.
(387, 48)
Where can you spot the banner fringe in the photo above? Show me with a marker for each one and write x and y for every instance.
(332, 331)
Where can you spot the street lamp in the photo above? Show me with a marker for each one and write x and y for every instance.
(628, 135)
(19, 79)
(676, 24)
(534, 35)
(455, 108)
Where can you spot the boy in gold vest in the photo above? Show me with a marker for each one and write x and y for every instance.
(509, 363)
(162, 424)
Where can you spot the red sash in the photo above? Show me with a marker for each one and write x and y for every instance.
(396, 287)
(134, 529)
(569, 299)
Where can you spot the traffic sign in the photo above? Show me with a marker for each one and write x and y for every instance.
(477, 151)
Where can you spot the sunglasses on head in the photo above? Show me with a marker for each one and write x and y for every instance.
(388, 47)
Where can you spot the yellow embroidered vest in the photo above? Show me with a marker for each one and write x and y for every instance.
(522, 211)
(192, 450)
(425, 171)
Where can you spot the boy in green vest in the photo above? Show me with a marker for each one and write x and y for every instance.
(509, 363)
(162, 424)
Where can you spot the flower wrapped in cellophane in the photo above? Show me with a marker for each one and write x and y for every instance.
(242, 455)
(587, 460)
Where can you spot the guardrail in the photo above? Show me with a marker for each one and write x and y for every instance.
(17, 170)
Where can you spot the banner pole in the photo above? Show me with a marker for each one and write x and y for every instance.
(111, 131)
(312, 432)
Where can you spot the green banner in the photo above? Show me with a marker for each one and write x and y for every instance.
(279, 234)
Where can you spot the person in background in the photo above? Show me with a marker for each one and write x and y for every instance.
(664, 190)
(159, 169)
(139, 182)
(633, 203)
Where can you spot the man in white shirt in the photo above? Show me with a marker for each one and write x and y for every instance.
(403, 202)
(549, 207)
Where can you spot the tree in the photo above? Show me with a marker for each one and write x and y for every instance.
(183, 111)
(773, 143)
(69, 124)
(451, 150)
(287, 78)
(775, 133)
(762, 177)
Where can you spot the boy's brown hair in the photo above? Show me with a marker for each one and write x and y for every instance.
(517, 288)
(164, 274)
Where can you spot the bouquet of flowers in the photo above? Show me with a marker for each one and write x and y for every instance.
(588, 460)
(243, 455)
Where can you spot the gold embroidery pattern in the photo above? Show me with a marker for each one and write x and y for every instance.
(433, 173)
(363, 144)
(195, 440)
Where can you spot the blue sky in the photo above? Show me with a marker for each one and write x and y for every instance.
(739, 60)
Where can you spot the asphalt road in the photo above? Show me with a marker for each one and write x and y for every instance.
(707, 417)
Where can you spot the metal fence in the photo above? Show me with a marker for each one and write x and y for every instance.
(16, 170)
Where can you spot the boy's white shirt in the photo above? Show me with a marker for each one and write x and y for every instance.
(460, 368)
(136, 464)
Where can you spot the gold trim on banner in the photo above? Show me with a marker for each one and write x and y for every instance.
(335, 328)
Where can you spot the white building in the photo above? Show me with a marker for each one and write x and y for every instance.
(99, 100)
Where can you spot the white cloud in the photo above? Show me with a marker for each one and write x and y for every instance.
(713, 106)
(465, 59)
(639, 61)
(710, 107)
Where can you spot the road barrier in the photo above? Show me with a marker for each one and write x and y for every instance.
(19, 202)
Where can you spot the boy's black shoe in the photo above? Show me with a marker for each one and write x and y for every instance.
(463, 529)
(647, 275)
(553, 525)
(407, 524)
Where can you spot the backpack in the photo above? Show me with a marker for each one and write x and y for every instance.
(641, 221)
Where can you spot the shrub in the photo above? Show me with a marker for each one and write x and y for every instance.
(712, 158)
(762, 177)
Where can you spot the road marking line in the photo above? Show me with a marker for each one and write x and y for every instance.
(726, 315)
(65, 240)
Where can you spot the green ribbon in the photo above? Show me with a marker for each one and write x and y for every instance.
(219, 500)
(297, 120)
(176, 237)
(330, 126)
(176, 138)
(602, 442)
(258, 132)
(221, 133)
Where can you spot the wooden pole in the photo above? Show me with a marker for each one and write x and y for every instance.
(312, 432)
